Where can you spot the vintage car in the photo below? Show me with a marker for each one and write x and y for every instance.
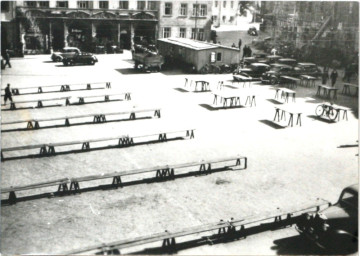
(276, 71)
(256, 58)
(335, 228)
(252, 31)
(309, 69)
(65, 52)
(272, 58)
(80, 58)
(254, 70)
(287, 61)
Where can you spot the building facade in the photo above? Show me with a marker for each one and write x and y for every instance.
(225, 12)
(185, 19)
(41, 26)
(317, 27)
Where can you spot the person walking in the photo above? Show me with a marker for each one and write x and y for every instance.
(249, 51)
(239, 44)
(7, 58)
(245, 51)
(8, 94)
(333, 77)
(325, 76)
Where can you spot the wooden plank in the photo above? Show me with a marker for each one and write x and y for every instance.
(36, 146)
(96, 96)
(47, 86)
(36, 185)
(61, 98)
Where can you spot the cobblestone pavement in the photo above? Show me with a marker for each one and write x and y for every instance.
(287, 168)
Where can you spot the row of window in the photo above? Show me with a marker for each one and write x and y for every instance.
(141, 5)
(198, 34)
(224, 4)
(197, 10)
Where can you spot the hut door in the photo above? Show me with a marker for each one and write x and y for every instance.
(213, 57)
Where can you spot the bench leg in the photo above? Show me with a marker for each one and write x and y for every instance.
(51, 150)
(107, 98)
(132, 116)
(318, 90)
(39, 105)
(43, 150)
(67, 102)
(298, 121)
(157, 113)
(85, 146)
(253, 100)
(67, 123)
(81, 100)
(37, 126)
(190, 133)
(162, 137)
(63, 187)
(117, 182)
(345, 115)
(67, 88)
(127, 96)
(277, 114)
(88, 87)
(108, 85)
(12, 197)
(74, 185)
(291, 120)
(102, 118)
(30, 125)
(283, 116)
(215, 100)
(40, 90)
(12, 106)
(62, 88)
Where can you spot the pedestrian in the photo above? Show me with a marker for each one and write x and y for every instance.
(239, 44)
(347, 73)
(7, 94)
(333, 77)
(7, 58)
(325, 76)
(249, 51)
(244, 51)
(273, 51)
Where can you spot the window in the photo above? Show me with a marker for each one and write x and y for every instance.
(193, 32)
(224, 4)
(83, 4)
(62, 4)
(168, 8)
(224, 18)
(232, 4)
(151, 5)
(141, 5)
(216, 3)
(183, 9)
(30, 3)
(195, 10)
(201, 34)
(123, 4)
(5, 6)
(182, 33)
(231, 19)
(218, 56)
(104, 4)
(203, 10)
(44, 3)
(167, 32)
(214, 18)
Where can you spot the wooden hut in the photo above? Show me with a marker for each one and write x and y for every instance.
(197, 53)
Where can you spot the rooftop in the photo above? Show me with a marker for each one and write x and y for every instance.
(194, 44)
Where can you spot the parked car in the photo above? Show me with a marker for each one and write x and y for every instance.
(256, 58)
(336, 227)
(254, 70)
(309, 69)
(272, 58)
(81, 58)
(287, 61)
(65, 52)
(276, 71)
(252, 31)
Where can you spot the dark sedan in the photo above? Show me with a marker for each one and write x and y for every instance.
(335, 228)
(80, 58)
(276, 71)
(254, 70)
(309, 69)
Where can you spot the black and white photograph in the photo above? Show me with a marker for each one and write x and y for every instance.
(182, 127)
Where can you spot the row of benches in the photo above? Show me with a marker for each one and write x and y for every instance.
(98, 117)
(81, 100)
(162, 172)
(230, 229)
(62, 87)
(48, 149)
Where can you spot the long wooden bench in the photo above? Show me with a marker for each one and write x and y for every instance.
(307, 81)
(105, 96)
(284, 94)
(291, 112)
(327, 91)
(98, 117)
(48, 149)
(228, 229)
(204, 85)
(162, 172)
(346, 89)
(39, 102)
(62, 87)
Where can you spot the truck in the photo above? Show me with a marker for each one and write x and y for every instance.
(148, 61)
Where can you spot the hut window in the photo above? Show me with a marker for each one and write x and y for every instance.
(123, 4)
(212, 57)
(193, 32)
(44, 3)
(104, 4)
(183, 10)
(218, 56)
(224, 4)
(62, 4)
(203, 10)
(201, 34)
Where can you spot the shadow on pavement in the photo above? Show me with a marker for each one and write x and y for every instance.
(318, 118)
(211, 108)
(180, 90)
(22, 108)
(130, 71)
(275, 102)
(49, 61)
(231, 87)
(271, 124)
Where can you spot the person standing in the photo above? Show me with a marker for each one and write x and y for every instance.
(7, 94)
(7, 58)
(249, 51)
(333, 77)
(239, 44)
(325, 76)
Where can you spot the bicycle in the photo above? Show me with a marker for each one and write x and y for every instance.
(326, 109)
